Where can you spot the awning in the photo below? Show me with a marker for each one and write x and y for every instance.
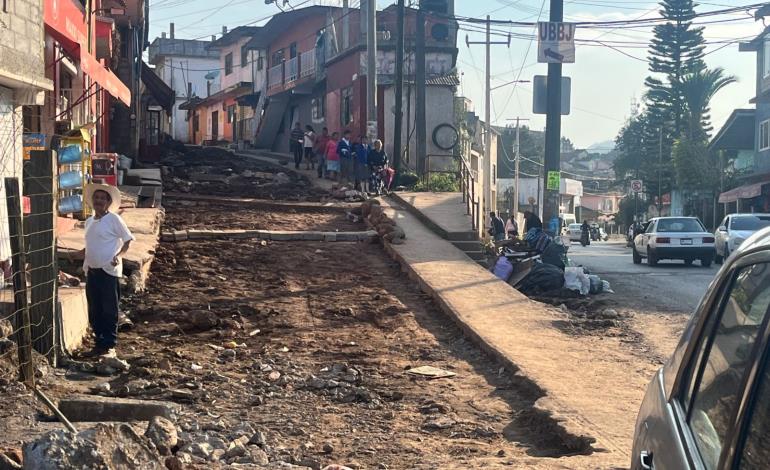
(742, 192)
(164, 95)
(104, 77)
(67, 18)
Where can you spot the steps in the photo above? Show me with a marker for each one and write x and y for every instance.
(271, 122)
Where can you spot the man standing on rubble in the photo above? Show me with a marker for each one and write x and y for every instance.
(107, 240)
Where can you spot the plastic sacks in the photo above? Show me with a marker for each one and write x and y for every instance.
(596, 284)
(576, 279)
(503, 268)
(554, 254)
(542, 278)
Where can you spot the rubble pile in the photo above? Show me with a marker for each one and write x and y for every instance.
(371, 211)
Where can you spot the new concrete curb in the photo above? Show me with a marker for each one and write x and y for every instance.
(274, 235)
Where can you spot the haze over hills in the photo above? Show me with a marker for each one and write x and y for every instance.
(602, 147)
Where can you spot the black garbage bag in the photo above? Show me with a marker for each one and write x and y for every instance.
(554, 254)
(542, 278)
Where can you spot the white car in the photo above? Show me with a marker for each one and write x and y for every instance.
(573, 232)
(735, 229)
(682, 238)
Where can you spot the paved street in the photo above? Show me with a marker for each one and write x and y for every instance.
(670, 287)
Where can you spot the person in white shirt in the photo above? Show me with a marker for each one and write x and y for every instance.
(107, 240)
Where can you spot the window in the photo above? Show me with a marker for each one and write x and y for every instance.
(196, 122)
(260, 63)
(229, 64)
(756, 448)
(244, 56)
(318, 106)
(231, 114)
(766, 58)
(717, 387)
(346, 108)
(764, 135)
(293, 50)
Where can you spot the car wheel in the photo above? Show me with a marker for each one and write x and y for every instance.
(637, 256)
(706, 262)
(727, 251)
(651, 259)
(688, 262)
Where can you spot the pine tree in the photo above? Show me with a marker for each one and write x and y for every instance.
(676, 50)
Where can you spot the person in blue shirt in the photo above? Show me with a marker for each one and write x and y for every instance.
(345, 151)
(361, 169)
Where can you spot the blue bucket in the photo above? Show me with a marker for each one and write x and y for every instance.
(70, 204)
(71, 179)
(70, 154)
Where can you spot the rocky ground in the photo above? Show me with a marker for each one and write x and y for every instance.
(298, 353)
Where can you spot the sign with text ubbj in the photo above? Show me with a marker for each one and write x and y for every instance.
(555, 42)
(554, 181)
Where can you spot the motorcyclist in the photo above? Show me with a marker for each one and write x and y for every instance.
(584, 233)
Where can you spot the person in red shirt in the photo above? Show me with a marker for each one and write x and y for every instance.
(320, 151)
(332, 158)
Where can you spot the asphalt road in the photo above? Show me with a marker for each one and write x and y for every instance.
(669, 287)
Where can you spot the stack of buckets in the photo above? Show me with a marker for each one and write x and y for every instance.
(69, 180)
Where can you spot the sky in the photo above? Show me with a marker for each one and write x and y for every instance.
(605, 81)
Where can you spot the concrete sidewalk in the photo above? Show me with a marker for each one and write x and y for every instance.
(587, 386)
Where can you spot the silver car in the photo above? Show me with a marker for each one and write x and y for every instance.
(709, 406)
(735, 229)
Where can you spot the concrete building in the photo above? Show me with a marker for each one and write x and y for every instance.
(190, 69)
(23, 85)
(229, 114)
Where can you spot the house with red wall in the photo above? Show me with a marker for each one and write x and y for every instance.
(315, 76)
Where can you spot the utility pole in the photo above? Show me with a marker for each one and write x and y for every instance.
(660, 171)
(399, 118)
(553, 132)
(345, 24)
(487, 205)
(371, 69)
(516, 170)
(421, 90)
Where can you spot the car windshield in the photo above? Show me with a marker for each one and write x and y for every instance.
(574, 226)
(750, 222)
(680, 225)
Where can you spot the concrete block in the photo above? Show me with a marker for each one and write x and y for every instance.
(312, 236)
(200, 234)
(281, 235)
(348, 236)
(168, 236)
(330, 237)
(235, 234)
(95, 408)
(180, 235)
(73, 311)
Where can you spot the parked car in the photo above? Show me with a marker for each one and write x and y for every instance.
(573, 232)
(682, 238)
(707, 407)
(735, 229)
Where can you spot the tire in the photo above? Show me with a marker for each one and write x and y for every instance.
(727, 252)
(688, 262)
(651, 259)
(637, 256)
(706, 262)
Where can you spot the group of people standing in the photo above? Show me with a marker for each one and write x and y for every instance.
(341, 158)
(509, 229)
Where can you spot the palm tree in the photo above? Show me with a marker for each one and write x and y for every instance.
(699, 88)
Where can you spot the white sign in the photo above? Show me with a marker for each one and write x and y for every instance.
(556, 43)
(637, 186)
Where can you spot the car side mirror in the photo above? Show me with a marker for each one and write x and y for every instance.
(722, 228)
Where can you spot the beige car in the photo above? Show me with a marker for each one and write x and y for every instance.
(709, 406)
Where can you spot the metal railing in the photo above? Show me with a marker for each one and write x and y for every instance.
(292, 69)
(467, 176)
(275, 76)
(307, 63)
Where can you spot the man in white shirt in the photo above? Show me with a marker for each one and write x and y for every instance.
(107, 240)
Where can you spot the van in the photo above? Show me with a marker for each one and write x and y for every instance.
(567, 220)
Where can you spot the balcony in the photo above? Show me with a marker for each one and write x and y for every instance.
(275, 77)
(307, 64)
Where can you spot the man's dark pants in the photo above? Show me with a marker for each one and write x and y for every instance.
(296, 149)
(103, 294)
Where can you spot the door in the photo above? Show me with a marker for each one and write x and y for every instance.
(720, 370)
(641, 240)
(215, 126)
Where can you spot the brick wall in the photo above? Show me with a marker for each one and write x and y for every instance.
(21, 40)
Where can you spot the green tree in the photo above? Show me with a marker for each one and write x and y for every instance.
(676, 50)
(698, 90)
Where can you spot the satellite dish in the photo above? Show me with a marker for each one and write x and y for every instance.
(212, 75)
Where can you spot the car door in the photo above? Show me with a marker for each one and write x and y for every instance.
(710, 394)
(642, 239)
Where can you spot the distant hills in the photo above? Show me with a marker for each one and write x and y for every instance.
(602, 147)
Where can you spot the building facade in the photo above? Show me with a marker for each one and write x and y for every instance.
(190, 69)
